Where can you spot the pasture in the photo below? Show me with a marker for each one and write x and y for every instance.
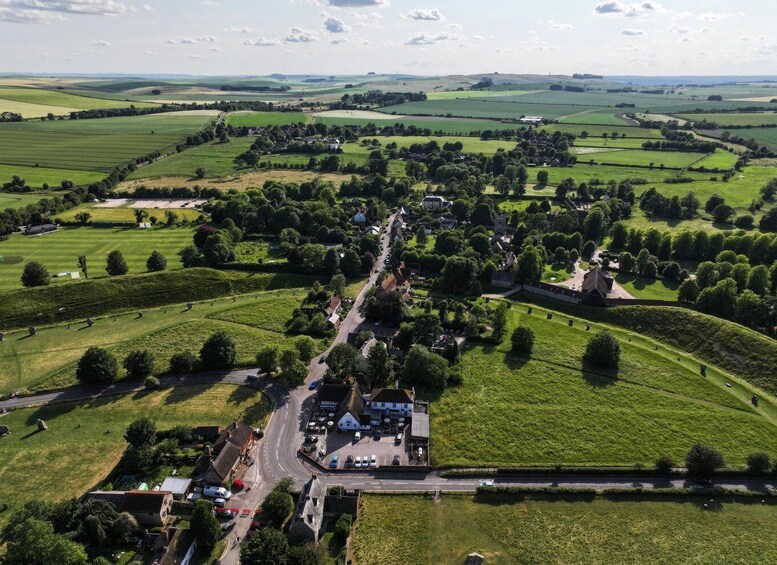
(764, 136)
(531, 528)
(261, 119)
(515, 410)
(19, 199)
(38, 176)
(735, 119)
(49, 360)
(59, 251)
(217, 158)
(448, 126)
(94, 145)
(38, 102)
(640, 158)
(85, 439)
(125, 214)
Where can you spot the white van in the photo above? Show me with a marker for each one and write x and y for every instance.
(216, 492)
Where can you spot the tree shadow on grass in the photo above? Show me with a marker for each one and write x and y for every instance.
(598, 377)
(510, 498)
(186, 392)
(515, 361)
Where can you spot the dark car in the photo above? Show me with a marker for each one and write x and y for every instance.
(396, 460)
(313, 385)
(227, 526)
(349, 462)
(311, 439)
(376, 434)
(224, 513)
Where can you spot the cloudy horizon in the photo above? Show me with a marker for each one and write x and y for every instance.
(237, 37)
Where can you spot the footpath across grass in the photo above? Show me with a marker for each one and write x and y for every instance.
(85, 440)
(512, 529)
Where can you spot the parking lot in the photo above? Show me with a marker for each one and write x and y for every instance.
(343, 444)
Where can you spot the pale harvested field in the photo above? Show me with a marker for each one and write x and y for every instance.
(359, 114)
(244, 181)
(588, 150)
(158, 203)
(756, 99)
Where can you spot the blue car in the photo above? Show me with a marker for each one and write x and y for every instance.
(313, 385)
(333, 462)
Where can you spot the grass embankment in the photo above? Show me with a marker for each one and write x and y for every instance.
(85, 439)
(99, 297)
(548, 409)
(509, 529)
(48, 361)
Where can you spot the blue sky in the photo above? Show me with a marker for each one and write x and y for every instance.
(690, 37)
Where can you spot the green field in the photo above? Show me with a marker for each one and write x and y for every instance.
(764, 136)
(58, 251)
(735, 119)
(94, 145)
(516, 411)
(48, 361)
(445, 125)
(260, 119)
(512, 529)
(85, 439)
(640, 158)
(125, 215)
(648, 289)
(217, 158)
(38, 176)
(595, 131)
(37, 102)
(19, 200)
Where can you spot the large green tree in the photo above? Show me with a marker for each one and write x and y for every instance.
(97, 365)
(35, 274)
(218, 352)
(115, 264)
(204, 525)
(424, 369)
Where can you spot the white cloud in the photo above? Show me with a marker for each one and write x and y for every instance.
(335, 25)
(206, 39)
(717, 16)
(431, 38)
(680, 30)
(358, 3)
(40, 11)
(241, 29)
(262, 42)
(101, 44)
(299, 35)
(210, 3)
(558, 26)
(371, 19)
(626, 9)
(190, 41)
(147, 8)
(424, 14)
(632, 32)
(339, 40)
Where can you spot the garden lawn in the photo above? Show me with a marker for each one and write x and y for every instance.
(59, 251)
(547, 410)
(85, 439)
(512, 529)
(647, 288)
(49, 359)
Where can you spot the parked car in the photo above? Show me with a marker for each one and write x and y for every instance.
(396, 460)
(487, 483)
(219, 502)
(313, 385)
(357, 436)
(252, 378)
(398, 439)
(349, 462)
(224, 513)
(216, 492)
(377, 434)
(311, 439)
(322, 359)
(373, 461)
(333, 462)
(358, 463)
(227, 526)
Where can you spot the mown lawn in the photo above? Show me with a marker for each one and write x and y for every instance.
(647, 288)
(85, 439)
(48, 360)
(125, 214)
(549, 410)
(59, 251)
(512, 529)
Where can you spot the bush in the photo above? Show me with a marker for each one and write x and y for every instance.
(603, 351)
(156, 262)
(35, 274)
(97, 365)
(522, 340)
(343, 527)
(277, 506)
(218, 352)
(152, 383)
(702, 461)
(204, 526)
(183, 362)
(758, 463)
(115, 264)
(665, 464)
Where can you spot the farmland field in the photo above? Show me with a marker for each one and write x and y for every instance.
(19, 200)
(85, 439)
(640, 158)
(653, 405)
(93, 145)
(513, 529)
(598, 131)
(59, 251)
(125, 214)
(445, 125)
(734, 119)
(38, 176)
(217, 158)
(37, 102)
(258, 119)
(49, 360)
(765, 136)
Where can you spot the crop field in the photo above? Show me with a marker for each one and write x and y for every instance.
(93, 145)
(258, 119)
(609, 143)
(594, 131)
(125, 214)
(38, 176)
(59, 251)
(641, 158)
(217, 158)
(471, 144)
(19, 200)
(653, 405)
(607, 530)
(735, 119)
(441, 124)
(85, 439)
(48, 361)
(37, 102)
(764, 136)
(598, 117)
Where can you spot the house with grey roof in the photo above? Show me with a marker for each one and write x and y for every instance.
(309, 513)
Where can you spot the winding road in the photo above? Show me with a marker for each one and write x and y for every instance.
(275, 456)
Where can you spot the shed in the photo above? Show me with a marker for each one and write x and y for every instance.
(179, 487)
